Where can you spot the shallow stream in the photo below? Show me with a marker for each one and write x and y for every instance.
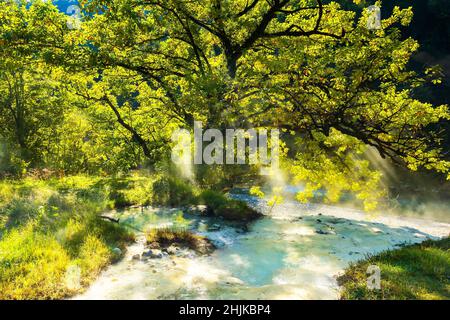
(294, 252)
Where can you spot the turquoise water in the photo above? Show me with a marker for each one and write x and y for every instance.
(294, 252)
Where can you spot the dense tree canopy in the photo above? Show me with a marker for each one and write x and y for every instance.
(135, 70)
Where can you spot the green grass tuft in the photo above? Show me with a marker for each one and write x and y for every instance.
(419, 271)
(165, 237)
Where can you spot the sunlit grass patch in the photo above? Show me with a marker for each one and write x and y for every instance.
(32, 264)
(49, 227)
(414, 272)
(35, 259)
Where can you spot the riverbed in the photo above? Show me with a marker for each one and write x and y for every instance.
(295, 251)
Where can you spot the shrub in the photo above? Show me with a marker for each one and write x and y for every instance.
(213, 199)
(140, 193)
(170, 191)
(229, 209)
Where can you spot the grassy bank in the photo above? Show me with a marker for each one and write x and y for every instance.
(50, 226)
(414, 272)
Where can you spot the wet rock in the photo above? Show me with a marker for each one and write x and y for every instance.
(203, 210)
(319, 221)
(325, 231)
(154, 245)
(335, 221)
(214, 227)
(204, 246)
(136, 257)
(181, 253)
(401, 244)
(153, 254)
(172, 249)
(190, 255)
(117, 251)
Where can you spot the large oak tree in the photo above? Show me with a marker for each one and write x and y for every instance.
(309, 67)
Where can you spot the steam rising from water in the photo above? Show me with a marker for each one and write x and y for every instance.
(414, 194)
(295, 252)
(182, 154)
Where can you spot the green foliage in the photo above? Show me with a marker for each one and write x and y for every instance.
(214, 199)
(106, 97)
(170, 191)
(226, 208)
(128, 191)
(220, 177)
(315, 167)
(413, 272)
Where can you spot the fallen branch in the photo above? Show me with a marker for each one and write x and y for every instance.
(110, 219)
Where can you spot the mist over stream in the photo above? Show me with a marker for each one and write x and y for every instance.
(294, 252)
